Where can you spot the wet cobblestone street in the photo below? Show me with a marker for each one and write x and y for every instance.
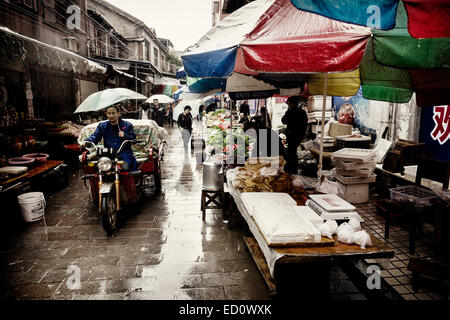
(162, 249)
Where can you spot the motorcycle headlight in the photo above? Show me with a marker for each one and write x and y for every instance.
(104, 164)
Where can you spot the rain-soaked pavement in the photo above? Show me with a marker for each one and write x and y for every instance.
(162, 249)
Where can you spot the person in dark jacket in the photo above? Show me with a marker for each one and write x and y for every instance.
(296, 121)
(185, 125)
(200, 112)
(114, 131)
(159, 113)
(245, 109)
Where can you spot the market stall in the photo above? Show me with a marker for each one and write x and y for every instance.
(322, 251)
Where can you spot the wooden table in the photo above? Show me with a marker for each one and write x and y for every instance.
(32, 173)
(268, 258)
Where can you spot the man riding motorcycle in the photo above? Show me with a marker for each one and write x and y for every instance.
(114, 132)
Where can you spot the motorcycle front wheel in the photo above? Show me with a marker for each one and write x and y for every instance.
(109, 212)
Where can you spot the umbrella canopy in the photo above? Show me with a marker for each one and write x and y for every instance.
(102, 99)
(276, 37)
(279, 50)
(161, 98)
(267, 43)
(426, 18)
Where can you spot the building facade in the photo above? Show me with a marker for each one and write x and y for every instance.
(43, 73)
(55, 53)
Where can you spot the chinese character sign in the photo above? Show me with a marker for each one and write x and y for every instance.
(435, 132)
(441, 118)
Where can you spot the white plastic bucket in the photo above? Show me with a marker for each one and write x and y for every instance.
(32, 206)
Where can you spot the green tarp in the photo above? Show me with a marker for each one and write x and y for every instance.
(396, 48)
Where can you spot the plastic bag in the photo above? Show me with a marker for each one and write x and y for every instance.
(333, 226)
(362, 238)
(355, 224)
(345, 234)
(324, 230)
(327, 229)
(326, 128)
(266, 171)
(330, 187)
(298, 183)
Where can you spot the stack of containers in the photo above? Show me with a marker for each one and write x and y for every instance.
(315, 112)
(354, 172)
(328, 143)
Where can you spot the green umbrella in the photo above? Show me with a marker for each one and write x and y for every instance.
(102, 99)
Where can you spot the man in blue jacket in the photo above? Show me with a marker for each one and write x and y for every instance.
(114, 131)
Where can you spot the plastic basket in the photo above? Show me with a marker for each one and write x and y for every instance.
(419, 197)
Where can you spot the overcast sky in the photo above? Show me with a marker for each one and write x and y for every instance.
(181, 21)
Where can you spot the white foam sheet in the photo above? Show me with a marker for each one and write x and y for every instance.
(283, 225)
(266, 200)
(270, 254)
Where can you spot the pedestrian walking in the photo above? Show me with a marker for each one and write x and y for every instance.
(170, 112)
(145, 113)
(200, 112)
(185, 125)
(296, 121)
(158, 113)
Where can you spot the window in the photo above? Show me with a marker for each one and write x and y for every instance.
(146, 46)
(156, 57)
(61, 11)
(30, 4)
(48, 11)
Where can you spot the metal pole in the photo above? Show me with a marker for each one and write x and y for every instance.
(135, 72)
(324, 106)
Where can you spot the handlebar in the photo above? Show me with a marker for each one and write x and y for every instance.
(125, 143)
(122, 146)
(90, 142)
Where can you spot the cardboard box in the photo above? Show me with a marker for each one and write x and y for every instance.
(355, 193)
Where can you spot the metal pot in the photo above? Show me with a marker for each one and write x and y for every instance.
(212, 175)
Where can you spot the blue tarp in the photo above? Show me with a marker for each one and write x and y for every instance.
(211, 64)
(379, 14)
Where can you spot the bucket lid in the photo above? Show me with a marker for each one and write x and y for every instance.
(212, 163)
(30, 195)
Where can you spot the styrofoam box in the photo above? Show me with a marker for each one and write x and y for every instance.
(348, 165)
(315, 103)
(355, 193)
(356, 180)
(354, 155)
